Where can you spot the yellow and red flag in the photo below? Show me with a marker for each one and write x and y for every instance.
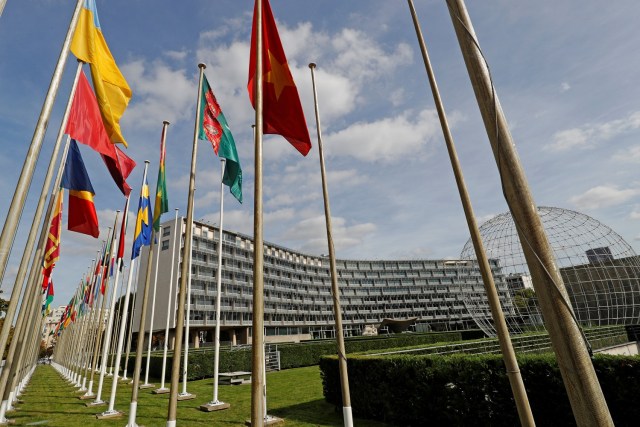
(282, 110)
(52, 249)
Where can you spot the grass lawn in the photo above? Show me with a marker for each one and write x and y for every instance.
(294, 395)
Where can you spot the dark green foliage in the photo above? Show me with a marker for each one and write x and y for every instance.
(291, 355)
(309, 353)
(474, 390)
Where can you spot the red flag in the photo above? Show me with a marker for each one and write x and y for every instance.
(282, 111)
(123, 229)
(85, 126)
(52, 249)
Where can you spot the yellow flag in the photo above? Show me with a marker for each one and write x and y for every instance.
(112, 90)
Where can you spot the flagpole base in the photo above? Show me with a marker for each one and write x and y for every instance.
(143, 386)
(87, 396)
(95, 403)
(214, 406)
(269, 420)
(186, 396)
(162, 390)
(107, 415)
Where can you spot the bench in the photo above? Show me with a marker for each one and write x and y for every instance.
(234, 378)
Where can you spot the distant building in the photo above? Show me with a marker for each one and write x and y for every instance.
(50, 322)
(297, 290)
(517, 282)
(597, 255)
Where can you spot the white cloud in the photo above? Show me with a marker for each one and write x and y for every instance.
(630, 155)
(176, 55)
(311, 234)
(388, 139)
(603, 196)
(160, 93)
(593, 133)
(565, 87)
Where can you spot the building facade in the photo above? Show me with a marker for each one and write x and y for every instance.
(297, 289)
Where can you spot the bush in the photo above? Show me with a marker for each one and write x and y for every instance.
(474, 390)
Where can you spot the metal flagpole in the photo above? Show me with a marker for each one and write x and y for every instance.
(184, 271)
(107, 336)
(111, 412)
(257, 339)
(24, 182)
(153, 312)
(508, 354)
(583, 389)
(215, 404)
(176, 235)
(141, 332)
(38, 257)
(125, 370)
(100, 316)
(2, 5)
(22, 270)
(184, 395)
(335, 290)
(146, 384)
(119, 320)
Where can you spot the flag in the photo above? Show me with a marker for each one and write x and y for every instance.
(162, 201)
(46, 307)
(213, 127)
(82, 217)
(85, 126)
(142, 234)
(281, 111)
(123, 228)
(112, 90)
(52, 248)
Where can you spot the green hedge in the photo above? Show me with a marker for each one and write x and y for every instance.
(292, 355)
(474, 390)
(295, 355)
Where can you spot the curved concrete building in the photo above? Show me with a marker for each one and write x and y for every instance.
(297, 288)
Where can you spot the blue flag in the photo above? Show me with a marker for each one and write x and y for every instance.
(144, 222)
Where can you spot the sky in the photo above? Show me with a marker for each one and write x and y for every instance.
(565, 72)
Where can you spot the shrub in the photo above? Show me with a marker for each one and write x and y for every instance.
(474, 389)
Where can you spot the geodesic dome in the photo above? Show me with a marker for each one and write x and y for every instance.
(601, 272)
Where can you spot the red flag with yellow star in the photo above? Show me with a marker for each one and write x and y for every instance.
(282, 111)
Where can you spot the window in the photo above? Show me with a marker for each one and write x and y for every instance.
(165, 244)
(166, 232)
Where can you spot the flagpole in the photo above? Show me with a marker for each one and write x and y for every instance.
(89, 314)
(508, 353)
(112, 305)
(257, 339)
(31, 237)
(157, 211)
(153, 307)
(184, 395)
(583, 389)
(2, 4)
(99, 318)
(116, 330)
(335, 290)
(28, 292)
(125, 369)
(184, 271)
(133, 407)
(24, 182)
(215, 404)
(111, 412)
(176, 235)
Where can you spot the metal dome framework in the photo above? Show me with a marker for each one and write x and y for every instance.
(601, 272)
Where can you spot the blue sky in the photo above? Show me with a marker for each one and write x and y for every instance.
(566, 74)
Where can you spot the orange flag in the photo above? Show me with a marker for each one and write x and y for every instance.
(52, 249)
(282, 111)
